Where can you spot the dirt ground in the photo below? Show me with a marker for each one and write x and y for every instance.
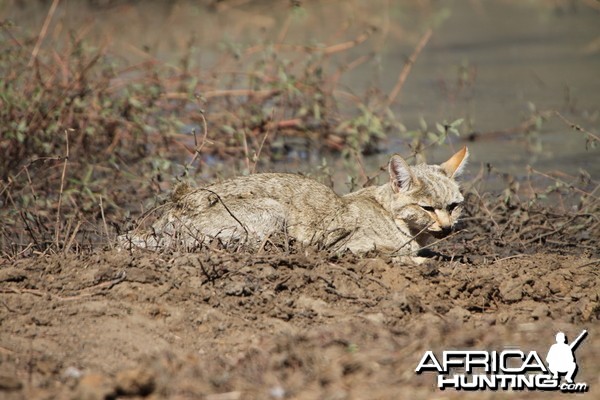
(92, 139)
(300, 325)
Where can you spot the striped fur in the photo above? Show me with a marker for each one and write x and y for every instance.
(396, 218)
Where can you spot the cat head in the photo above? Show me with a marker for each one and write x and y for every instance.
(427, 197)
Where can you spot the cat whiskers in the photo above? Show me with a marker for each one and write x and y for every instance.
(395, 252)
(444, 238)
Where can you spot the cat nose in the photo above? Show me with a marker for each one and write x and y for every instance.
(446, 230)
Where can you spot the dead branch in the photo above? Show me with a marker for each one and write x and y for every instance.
(407, 67)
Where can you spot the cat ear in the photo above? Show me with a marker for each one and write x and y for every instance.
(456, 164)
(401, 176)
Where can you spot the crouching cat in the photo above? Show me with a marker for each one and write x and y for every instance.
(396, 218)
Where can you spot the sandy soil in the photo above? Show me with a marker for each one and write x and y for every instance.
(219, 325)
(82, 320)
(295, 323)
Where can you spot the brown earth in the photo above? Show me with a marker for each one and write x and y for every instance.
(287, 322)
(217, 325)
(81, 320)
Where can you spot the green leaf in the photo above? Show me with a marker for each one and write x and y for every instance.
(20, 137)
(22, 127)
(423, 124)
(441, 129)
(538, 123)
(433, 136)
(229, 130)
(456, 123)
(135, 103)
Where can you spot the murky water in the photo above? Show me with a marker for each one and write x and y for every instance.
(487, 62)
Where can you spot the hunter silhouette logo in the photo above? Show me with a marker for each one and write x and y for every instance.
(561, 358)
(510, 369)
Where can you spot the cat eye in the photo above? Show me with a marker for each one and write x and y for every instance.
(427, 208)
(452, 206)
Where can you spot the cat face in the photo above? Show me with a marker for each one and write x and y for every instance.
(426, 197)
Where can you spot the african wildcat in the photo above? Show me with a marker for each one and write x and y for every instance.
(395, 218)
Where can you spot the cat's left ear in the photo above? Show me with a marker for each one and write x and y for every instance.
(401, 176)
(456, 164)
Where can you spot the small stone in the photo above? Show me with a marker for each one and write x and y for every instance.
(503, 317)
(540, 311)
(236, 288)
(511, 290)
(373, 265)
(277, 392)
(558, 285)
(407, 302)
(72, 372)
(377, 318)
(459, 314)
(71, 376)
(429, 270)
(318, 306)
(589, 309)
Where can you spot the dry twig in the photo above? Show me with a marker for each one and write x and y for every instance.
(60, 193)
(407, 67)
(43, 32)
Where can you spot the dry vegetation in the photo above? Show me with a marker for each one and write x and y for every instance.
(89, 143)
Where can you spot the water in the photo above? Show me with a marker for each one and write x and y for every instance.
(487, 62)
(523, 54)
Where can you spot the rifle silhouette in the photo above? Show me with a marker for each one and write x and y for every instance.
(578, 340)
